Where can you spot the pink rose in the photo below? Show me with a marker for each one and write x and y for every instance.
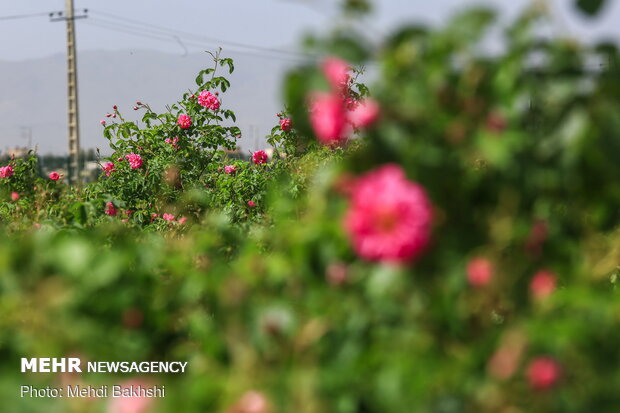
(182, 220)
(168, 217)
(543, 284)
(54, 176)
(364, 114)
(135, 160)
(208, 100)
(251, 204)
(6, 171)
(337, 73)
(174, 142)
(14, 196)
(328, 118)
(286, 124)
(479, 272)
(102, 122)
(184, 121)
(389, 217)
(259, 157)
(108, 168)
(110, 209)
(252, 402)
(230, 169)
(543, 373)
(130, 404)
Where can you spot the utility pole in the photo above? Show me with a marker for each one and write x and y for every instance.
(72, 91)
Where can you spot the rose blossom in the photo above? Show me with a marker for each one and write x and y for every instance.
(6, 171)
(337, 72)
(230, 169)
(135, 160)
(259, 157)
(14, 196)
(251, 204)
(364, 114)
(542, 284)
(182, 220)
(168, 217)
(133, 404)
(389, 217)
(252, 402)
(328, 118)
(108, 168)
(479, 272)
(174, 142)
(184, 121)
(110, 209)
(543, 373)
(208, 100)
(286, 124)
(54, 176)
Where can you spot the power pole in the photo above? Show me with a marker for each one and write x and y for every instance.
(72, 91)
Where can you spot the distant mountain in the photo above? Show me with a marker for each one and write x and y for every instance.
(33, 94)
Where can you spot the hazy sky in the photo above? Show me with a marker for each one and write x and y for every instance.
(251, 27)
(265, 23)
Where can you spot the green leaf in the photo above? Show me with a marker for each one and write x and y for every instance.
(590, 7)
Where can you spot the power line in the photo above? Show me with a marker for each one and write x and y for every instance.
(170, 36)
(23, 16)
(208, 39)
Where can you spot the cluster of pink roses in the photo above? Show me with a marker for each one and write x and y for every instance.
(334, 115)
(208, 100)
(6, 171)
(174, 142)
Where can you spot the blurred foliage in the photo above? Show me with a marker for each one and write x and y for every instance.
(518, 153)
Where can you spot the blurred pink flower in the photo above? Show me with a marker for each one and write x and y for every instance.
(6, 171)
(389, 217)
(110, 209)
(251, 204)
(130, 404)
(337, 73)
(182, 220)
(230, 169)
(135, 160)
(286, 124)
(208, 100)
(479, 271)
(108, 168)
(543, 373)
(14, 196)
(251, 402)
(259, 157)
(543, 284)
(364, 114)
(184, 121)
(337, 273)
(168, 217)
(102, 122)
(54, 176)
(174, 142)
(328, 118)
